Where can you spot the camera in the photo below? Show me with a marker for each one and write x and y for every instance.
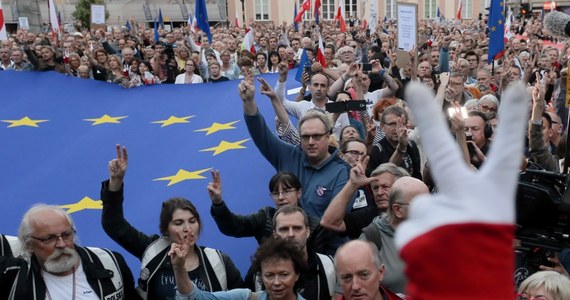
(542, 217)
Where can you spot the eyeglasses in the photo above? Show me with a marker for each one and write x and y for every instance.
(451, 82)
(285, 193)
(391, 124)
(52, 239)
(527, 297)
(488, 108)
(317, 137)
(354, 153)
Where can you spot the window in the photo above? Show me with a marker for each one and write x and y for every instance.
(467, 9)
(328, 9)
(261, 10)
(350, 8)
(390, 9)
(430, 9)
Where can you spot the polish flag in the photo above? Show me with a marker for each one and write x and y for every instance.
(340, 16)
(53, 18)
(236, 23)
(317, 11)
(3, 35)
(459, 11)
(304, 7)
(248, 41)
(321, 53)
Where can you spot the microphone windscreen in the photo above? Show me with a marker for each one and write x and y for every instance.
(556, 22)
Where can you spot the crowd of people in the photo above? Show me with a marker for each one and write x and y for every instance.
(349, 184)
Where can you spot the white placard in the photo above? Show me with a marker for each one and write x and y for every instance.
(23, 22)
(407, 26)
(97, 14)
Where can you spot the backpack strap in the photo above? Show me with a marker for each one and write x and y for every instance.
(328, 265)
(150, 253)
(372, 234)
(109, 262)
(10, 246)
(217, 261)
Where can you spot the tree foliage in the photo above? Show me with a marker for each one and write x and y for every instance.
(82, 12)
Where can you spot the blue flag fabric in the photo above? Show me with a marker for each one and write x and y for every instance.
(156, 36)
(58, 145)
(304, 61)
(496, 26)
(160, 19)
(128, 25)
(438, 14)
(295, 24)
(202, 18)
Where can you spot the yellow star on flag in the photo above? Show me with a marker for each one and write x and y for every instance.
(84, 203)
(25, 121)
(225, 146)
(105, 119)
(500, 22)
(493, 28)
(173, 120)
(217, 127)
(182, 175)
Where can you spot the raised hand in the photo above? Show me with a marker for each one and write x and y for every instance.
(402, 132)
(358, 173)
(246, 90)
(266, 89)
(178, 251)
(118, 166)
(215, 188)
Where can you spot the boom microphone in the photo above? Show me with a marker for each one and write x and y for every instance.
(557, 23)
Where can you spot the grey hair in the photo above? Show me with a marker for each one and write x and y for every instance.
(317, 114)
(471, 104)
(25, 229)
(391, 168)
(553, 283)
(491, 98)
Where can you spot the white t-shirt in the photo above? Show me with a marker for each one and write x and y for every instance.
(61, 287)
(181, 79)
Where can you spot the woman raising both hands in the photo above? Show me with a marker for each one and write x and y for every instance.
(208, 268)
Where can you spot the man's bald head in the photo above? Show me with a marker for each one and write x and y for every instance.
(403, 191)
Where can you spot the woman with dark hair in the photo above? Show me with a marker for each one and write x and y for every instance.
(208, 268)
(284, 189)
(280, 263)
(273, 62)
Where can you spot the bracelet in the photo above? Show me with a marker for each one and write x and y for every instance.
(402, 151)
(382, 72)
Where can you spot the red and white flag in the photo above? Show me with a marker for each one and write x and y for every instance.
(340, 16)
(53, 18)
(247, 43)
(321, 53)
(459, 10)
(236, 22)
(194, 26)
(3, 35)
(304, 8)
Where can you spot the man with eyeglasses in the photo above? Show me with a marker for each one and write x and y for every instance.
(321, 171)
(455, 90)
(395, 147)
(318, 280)
(382, 229)
(52, 266)
(379, 183)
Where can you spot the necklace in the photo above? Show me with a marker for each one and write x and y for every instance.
(72, 291)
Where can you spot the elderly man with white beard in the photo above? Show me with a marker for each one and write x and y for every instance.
(46, 263)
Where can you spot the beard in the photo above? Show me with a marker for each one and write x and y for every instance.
(61, 260)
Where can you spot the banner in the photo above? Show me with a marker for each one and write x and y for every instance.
(59, 133)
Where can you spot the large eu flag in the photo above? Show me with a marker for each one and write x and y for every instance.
(496, 26)
(58, 134)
